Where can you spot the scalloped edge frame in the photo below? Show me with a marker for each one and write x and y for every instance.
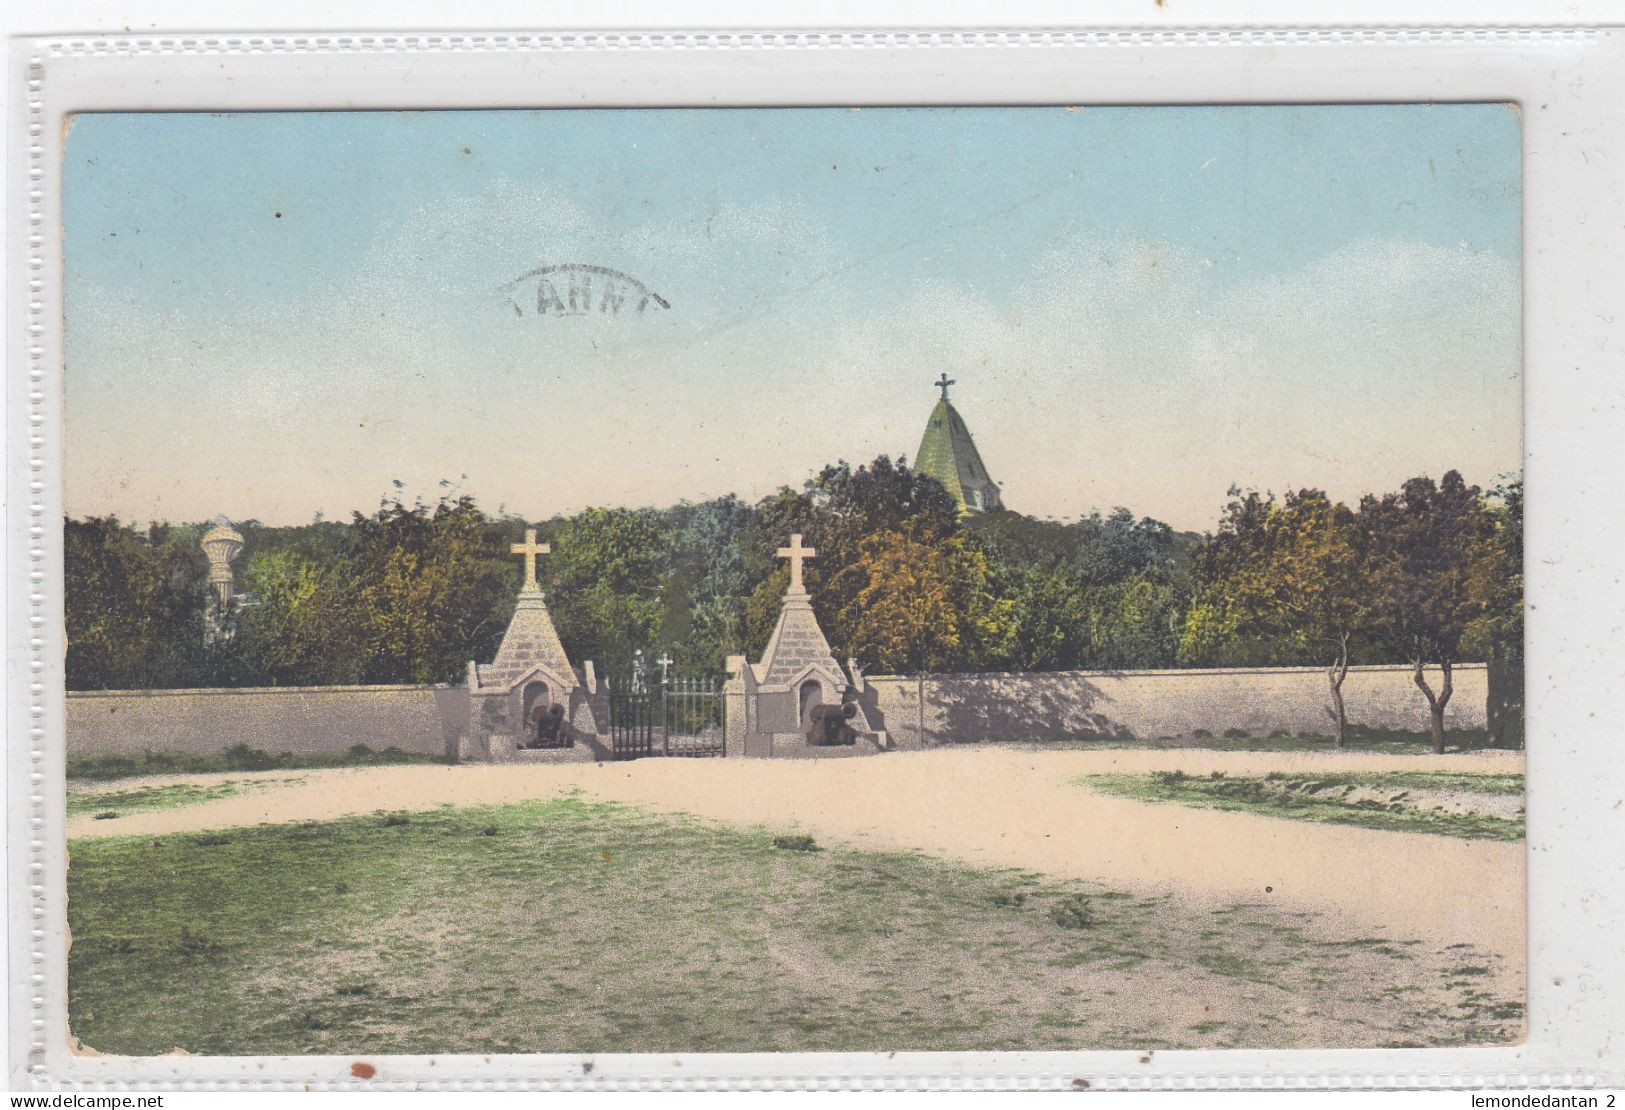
(1568, 971)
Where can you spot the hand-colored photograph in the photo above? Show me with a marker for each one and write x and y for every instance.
(794, 580)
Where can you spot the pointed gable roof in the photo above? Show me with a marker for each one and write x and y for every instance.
(531, 642)
(797, 645)
(948, 454)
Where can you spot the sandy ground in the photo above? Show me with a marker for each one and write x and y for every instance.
(999, 807)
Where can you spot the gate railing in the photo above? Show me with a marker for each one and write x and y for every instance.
(631, 725)
(682, 716)
(692, 709)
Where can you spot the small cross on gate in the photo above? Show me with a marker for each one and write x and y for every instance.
(943, 383)
(797, 555)
(530, 549)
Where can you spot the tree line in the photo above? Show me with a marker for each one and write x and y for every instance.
(1429, 575)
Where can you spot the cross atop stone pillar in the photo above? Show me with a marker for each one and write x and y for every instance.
(797, 555)
(530, 549)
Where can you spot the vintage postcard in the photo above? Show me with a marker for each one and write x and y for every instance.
(721, 580)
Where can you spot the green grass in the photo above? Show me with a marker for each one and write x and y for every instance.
(237, 758)
(146, 798)
(1322, 797)
(569, 926)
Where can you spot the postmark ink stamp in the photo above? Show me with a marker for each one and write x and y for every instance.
(580, 289)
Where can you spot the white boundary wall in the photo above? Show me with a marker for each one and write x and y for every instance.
(915, 710)
(920, 710)
(272, 718)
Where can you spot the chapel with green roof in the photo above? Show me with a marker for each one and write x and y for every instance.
(948, 454)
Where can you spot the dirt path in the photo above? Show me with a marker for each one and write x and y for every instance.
(998, 807)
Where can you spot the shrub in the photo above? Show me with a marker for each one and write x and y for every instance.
(796, 844)
(1236, 734)
(102, 767)
(1201, 734)
(1072, 912)
(1010, 900)
(395, 819)
(105, 815)
(241, 757)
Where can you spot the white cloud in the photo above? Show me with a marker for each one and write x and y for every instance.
(1129, 371)
(1116, 371)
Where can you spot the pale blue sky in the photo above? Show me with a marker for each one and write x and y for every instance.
(274, 314)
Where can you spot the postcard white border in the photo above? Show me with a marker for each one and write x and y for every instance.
(1570, 86)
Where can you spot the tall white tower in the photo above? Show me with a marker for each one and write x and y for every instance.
(221, 544)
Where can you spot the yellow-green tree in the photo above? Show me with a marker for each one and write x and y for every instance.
(1282, 581)
(281, 631)
(919, 606)
(420, 591)
(836, 512)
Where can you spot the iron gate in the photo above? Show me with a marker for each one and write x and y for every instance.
(631, 724)
(682, 716)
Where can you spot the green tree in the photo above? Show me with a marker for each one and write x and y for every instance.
(1116, 546)
(839, 509)
(1324, 559)
(1132, 623)
(608, 573)
(1049, 624)
(424, 590)
(1019, 542)
(280, 635)
(135, 606)
(1226, 567)
(707, 587)
(1106, 591)
(1496, 634)
(762, 612)
(1426, 540)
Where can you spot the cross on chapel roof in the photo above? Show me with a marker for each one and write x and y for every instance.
(797, 555)
(530, 549)
(943, 383)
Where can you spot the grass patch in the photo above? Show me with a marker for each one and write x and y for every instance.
(105, 804)
(239, 757)
(575, 926)
(1404, 801)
